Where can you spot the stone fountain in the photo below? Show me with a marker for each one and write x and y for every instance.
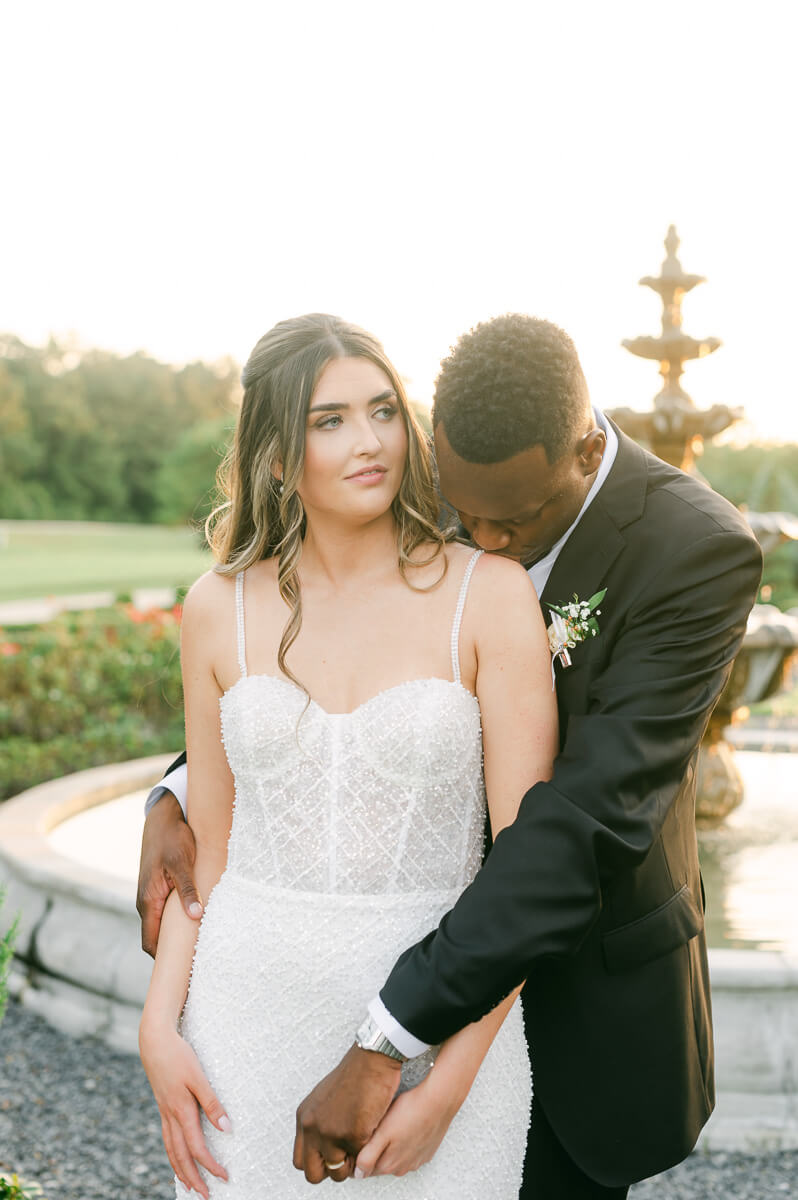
(675, 430)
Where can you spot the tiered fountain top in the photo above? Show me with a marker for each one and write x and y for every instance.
(675, 422)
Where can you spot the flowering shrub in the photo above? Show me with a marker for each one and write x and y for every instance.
(87, 689)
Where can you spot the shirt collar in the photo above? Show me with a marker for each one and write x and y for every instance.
(539, 572)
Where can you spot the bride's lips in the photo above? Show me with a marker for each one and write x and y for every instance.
(371, 474)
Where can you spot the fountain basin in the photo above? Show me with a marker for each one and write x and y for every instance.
(68, 860)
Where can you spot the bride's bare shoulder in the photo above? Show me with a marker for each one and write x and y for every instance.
(502, 584)
(214, 591)
(208, 597)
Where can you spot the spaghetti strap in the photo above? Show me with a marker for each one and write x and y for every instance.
(458, 613)
(242, 650)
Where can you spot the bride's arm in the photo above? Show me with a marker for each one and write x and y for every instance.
(519, 730)
(177, 1081)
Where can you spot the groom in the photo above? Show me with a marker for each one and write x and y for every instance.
(593, 894)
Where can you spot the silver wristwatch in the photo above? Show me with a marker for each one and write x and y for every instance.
(370, 1037)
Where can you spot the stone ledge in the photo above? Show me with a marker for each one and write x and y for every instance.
(751, 1123)
(79, 931)
(25, 821)
(745, 970)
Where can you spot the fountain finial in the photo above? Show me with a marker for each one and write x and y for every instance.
(675, 427)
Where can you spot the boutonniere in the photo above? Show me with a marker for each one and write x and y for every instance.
(573, 623)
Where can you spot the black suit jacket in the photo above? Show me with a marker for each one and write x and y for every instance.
(594, 894)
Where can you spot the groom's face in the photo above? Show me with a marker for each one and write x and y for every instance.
(522, 506)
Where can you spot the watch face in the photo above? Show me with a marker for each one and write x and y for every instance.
(370, 1037)
(367, 1032)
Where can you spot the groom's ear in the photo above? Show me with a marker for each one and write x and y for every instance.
(590, 451)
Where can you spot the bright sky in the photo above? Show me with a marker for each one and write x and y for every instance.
(179, 176)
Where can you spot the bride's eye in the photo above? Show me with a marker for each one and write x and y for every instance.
(331, 422)
(386, 411)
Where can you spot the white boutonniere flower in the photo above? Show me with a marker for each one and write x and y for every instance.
(572, 623)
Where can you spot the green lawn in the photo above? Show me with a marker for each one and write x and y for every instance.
(51, 558)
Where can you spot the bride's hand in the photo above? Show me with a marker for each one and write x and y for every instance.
(181, 1089)
(409, 1133)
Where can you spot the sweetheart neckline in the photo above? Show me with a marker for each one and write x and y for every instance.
(364, 704)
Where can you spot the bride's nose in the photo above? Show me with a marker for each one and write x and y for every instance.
(367, 439)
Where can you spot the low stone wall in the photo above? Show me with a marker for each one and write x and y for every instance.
(79, 959)
(755, 1015)
(80, 964)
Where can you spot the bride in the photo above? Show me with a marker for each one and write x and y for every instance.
(345, 665)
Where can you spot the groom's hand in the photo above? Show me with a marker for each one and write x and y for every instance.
(339, 1116)
(168, 851)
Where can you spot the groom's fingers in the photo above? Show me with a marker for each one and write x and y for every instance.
(299, 1146)
(314, 1165)
(180, 868)
(308, 1158)
(151, 909)
(168, 851)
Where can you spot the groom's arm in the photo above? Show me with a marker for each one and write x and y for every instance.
(168, 853)
(540, 890)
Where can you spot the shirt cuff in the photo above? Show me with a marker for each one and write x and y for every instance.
(175, 782)
(396, 1033)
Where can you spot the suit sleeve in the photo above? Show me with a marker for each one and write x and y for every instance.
(540, 890)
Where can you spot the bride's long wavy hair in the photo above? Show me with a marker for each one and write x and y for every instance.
(260, 519)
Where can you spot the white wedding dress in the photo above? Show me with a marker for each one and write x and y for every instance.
(352, 834)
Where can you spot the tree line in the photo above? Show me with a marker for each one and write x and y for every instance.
(101, 437)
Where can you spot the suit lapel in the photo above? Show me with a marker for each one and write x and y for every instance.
(584, 559)
(597, 540)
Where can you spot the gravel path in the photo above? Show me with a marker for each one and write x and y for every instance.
(80, 1120)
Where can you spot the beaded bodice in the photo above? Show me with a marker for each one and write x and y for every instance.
(387, 798)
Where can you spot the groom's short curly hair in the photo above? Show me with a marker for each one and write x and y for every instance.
(508, 384)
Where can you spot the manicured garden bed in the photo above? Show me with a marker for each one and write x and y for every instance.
(87, 689)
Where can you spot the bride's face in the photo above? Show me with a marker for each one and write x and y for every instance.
(355, 442)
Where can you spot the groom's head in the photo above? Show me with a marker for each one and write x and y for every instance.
(515, 439)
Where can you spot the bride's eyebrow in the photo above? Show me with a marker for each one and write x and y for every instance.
(338, 406)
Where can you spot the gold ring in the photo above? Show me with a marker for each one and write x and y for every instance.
(334, 1166)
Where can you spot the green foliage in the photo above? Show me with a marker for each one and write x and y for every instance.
(83, 436)
(761, 479)
(88, 689)
(7, 942)
(185, 484)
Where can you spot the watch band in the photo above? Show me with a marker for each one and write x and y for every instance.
(370, 1037)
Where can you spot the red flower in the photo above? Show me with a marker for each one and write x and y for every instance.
(9, 649)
